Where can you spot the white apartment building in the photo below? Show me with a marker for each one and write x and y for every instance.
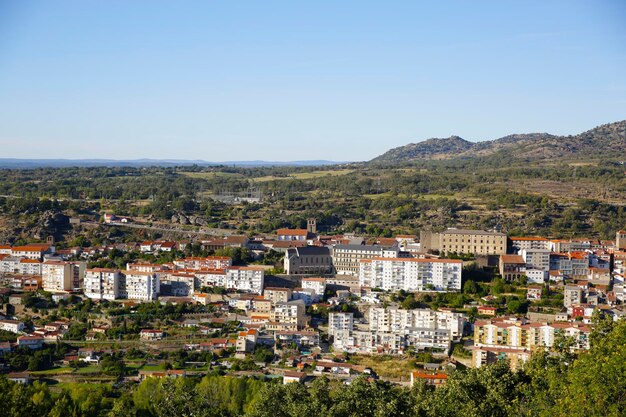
(411, 274)
(137, 285)
(210, 262)
(318, 285)
(339, 322)
(102, 283)
(245, 278)
(27, 266)
(10, 264)
(397, 320)
(392, 330)
(210, 277)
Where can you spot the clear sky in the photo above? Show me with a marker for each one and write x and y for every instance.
(288, 80)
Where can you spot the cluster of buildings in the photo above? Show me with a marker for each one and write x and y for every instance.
(394, 330)
(145, 282)
(50, 333)
(515, 339)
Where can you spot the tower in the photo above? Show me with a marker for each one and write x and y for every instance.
(311, 226)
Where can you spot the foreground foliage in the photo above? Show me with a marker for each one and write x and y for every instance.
(550, 384)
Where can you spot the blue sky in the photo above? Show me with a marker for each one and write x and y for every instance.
(300, 80)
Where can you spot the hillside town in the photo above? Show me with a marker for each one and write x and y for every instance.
(325, 305)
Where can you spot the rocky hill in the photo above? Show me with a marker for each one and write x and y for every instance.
(603, 141)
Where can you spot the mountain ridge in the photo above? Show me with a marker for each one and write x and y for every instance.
(528, 146)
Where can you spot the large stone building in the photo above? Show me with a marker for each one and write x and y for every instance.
(462, 241)
(308, 260)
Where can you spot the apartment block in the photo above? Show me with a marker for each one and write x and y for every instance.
(515, 338)
(137, 285)
(340, 322)
(245, 278)
(397, 320)
(102, 283)
(210, 262)
(411, 274)
(57, 276)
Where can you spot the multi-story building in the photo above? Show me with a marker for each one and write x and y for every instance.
(512, 267)
(573, 265)
(292, 235)
(536, 258)
(397, 320)
(411, 274)
(277, 295)
(290, 312)
(137, 285)
(144, 267)
(210, 277)
(179, 284)
(245, 278)
(11, 264)
(518, 244)
(210, 262)
(317, 285)
(572, 294)
(620, 240)
(102, 283)
(461, 241)
(516, 338)
(347, 258)
(27, 266)
(57, 276)
(32, 251)
(308, 260)
(340, 322)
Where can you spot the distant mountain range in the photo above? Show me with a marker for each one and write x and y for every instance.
(14, 163)
(603, 141)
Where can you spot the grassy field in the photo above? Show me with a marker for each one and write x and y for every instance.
(210, 175)
(386, 366)
(54, 371)
(306, 175)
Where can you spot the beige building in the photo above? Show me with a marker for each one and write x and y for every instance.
(277, 295)
(290, 312)
(462, 241)
(620, 240)
(517, 338)
(56, 276)
(347, 258)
